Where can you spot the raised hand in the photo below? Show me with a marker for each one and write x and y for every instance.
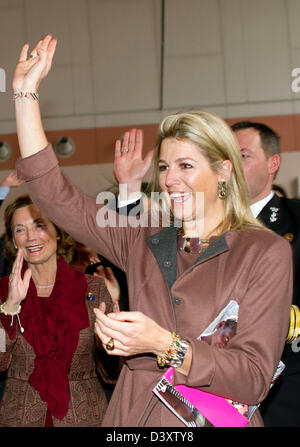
(11, 180)
(129, 165)
(18, 287)
(30, 71)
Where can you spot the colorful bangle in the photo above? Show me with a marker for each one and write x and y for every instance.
(171, 351)
(294, 328)
(29, 95)
(178, 358)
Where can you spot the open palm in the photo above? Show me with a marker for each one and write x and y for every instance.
(129, 165)
(30, 71)
(18, 286)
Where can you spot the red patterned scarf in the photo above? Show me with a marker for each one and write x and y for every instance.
(51, 326)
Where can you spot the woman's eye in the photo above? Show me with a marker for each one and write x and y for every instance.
(244, 155)
(162, 168)
(186, 165)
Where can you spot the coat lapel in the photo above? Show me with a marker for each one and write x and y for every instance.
(164, 247)
(217, 247)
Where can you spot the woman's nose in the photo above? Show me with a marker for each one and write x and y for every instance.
(31, 234)
(172, 177)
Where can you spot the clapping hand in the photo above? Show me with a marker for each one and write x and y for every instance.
(133, 333)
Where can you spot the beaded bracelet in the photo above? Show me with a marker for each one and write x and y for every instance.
(29, 95)
(171, 351)
(2, 311)
(294, 328)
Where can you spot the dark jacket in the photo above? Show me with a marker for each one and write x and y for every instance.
(281, 408)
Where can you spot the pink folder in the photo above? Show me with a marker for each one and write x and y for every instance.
(214, 408)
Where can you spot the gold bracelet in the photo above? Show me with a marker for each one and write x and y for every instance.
(171, 352)
(2, 311)
(29, 95)
(294, 328)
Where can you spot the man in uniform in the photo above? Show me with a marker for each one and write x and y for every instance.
(260, 149)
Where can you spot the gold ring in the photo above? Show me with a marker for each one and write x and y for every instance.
(110, 345)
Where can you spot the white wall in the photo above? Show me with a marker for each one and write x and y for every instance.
(233, 57)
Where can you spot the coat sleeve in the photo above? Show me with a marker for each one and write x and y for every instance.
(243, 371)
(84, 218)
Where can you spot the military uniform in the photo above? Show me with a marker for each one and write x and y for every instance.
(282, 406)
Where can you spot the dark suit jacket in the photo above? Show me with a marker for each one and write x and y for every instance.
(283, 217)
(282, 404)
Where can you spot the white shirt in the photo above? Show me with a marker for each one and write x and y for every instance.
(258, 206)
(122, 203)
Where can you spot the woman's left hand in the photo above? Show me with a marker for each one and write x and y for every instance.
(133, 333)
(31, 71)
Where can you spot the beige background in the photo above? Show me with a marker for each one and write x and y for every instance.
(123, 63)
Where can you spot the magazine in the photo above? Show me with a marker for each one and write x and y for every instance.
(197, 408)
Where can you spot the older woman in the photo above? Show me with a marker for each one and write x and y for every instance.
(181, 278)
(47, 314)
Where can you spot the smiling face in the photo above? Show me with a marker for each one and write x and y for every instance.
(184, 172)
(34, 234)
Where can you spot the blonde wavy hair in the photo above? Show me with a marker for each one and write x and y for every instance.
(216, 143)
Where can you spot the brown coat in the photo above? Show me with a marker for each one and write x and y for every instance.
(21, 405)
(184, 294)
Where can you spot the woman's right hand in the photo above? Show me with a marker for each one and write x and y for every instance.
(129, 165)
(18, 287)
(30, 71)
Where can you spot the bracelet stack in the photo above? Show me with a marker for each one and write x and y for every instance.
(175, 353)
(2, 311)
(294, 329)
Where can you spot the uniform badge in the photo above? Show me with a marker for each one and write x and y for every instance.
(274, 210)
